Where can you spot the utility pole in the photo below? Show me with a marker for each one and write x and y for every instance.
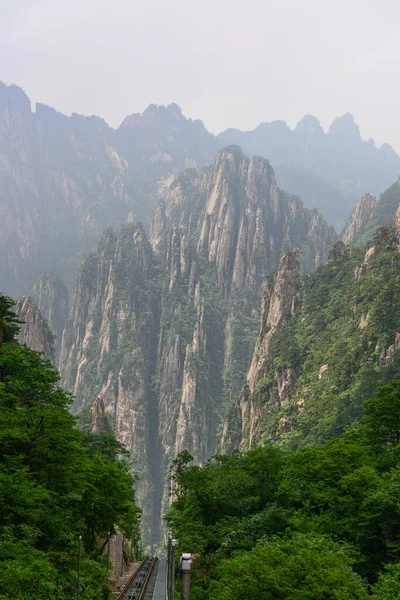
(169, 567)
(78, 593)
(185, 564)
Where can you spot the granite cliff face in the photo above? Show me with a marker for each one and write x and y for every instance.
(219, 232)
(109, 346)
(371, 213)
(163, 330)
(34, 330)
(361, 217)
(243, 222)
(279, 301)
(50, 295)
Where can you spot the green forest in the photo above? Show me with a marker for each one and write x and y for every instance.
(318, 523)
(56, 483)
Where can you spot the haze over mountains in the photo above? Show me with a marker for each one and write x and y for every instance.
(165, 238)
(63, 180)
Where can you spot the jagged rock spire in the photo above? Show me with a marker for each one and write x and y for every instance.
(277, 303)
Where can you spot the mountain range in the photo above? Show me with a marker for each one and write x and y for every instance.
(64, 180)
(185, 296)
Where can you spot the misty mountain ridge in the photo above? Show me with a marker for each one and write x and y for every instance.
(339, 158)
(65, 179)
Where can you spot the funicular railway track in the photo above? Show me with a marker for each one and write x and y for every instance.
(141, 585)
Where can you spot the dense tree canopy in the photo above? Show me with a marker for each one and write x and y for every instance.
(316, 523)
(56, 483)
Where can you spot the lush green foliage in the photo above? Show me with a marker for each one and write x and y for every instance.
(8, 320)
(316, 523)
(347, 320)
(56, 483)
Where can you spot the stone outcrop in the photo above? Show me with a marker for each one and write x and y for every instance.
(361, 217)
(34, 330)
(99, 422)
(279, 301)
(369, 214)
(338, 252)
(396, 227)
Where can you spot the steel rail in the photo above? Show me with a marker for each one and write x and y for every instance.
(150, 578)
(135, 588)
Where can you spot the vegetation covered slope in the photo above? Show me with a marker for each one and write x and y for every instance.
(318, 523)
(327, 355)
(56, 483)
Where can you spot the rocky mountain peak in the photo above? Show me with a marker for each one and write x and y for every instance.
(309, 127)
(159, 117)
(14, 97)
(15, 106)
(278, 302)
(277, 127)
(50, 295)
(388, 151)
(99, 423)
(363, 213)
(371, 213)
(345, 129)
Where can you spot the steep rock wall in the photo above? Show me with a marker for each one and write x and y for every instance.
(219, 232)
(165, 336)
(109, 345)
(362, 215)
(34, 330)
(370, 213)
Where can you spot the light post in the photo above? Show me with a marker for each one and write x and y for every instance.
(171, 568)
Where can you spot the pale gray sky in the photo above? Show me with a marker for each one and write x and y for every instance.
(230, 63)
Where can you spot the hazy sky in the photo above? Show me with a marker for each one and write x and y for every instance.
(231, 63)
